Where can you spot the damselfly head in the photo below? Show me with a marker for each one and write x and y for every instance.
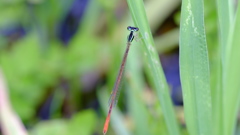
(130, 28)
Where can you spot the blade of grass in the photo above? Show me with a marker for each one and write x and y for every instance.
(232, 85)
(224, 20)
(135, 91)
(194, 69)
(139, 17)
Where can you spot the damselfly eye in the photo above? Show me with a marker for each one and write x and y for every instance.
(129, 28)
(132, 28)
(136, 29)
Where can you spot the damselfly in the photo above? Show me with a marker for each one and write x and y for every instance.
(114, 96)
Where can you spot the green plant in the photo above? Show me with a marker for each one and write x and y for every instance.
(208, 109)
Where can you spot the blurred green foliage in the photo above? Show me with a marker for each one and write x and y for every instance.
(82, 123)
(36, 65)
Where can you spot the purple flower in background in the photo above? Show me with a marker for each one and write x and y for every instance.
(170, 64)
(70, 24)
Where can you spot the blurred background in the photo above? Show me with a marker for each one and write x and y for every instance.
(60, 59)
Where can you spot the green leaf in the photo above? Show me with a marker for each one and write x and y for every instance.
(232, 85)
(53, 127)
(225, 19)
(139, 17)
(135, 92)
(83, 123)
(194, 69)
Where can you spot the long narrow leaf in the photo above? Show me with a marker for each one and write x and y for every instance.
(160, 84)
(224, 20)
(135, 90)
(194, 69)
(232, 85)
